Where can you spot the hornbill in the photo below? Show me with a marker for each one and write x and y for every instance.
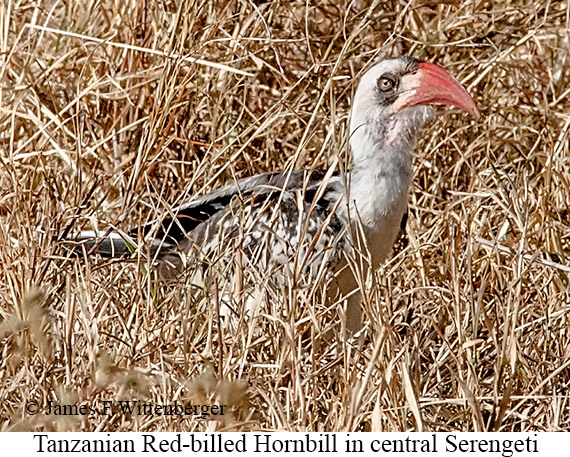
(302, 222)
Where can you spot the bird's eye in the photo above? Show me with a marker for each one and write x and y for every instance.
(386, 84)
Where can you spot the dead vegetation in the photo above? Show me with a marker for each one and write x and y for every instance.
(113, 112)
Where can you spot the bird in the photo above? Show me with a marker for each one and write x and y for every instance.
(303, 224)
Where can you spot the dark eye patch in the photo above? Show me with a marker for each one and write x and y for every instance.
(387, 88)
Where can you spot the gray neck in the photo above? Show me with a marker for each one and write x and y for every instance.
(381, 174)
(380, 177)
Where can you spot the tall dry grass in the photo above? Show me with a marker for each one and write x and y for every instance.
(113, 112)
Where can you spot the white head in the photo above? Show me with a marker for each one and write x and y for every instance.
(393, 100)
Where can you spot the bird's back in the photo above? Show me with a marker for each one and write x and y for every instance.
(274, 221)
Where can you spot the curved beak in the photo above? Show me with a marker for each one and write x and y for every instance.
(432, 85)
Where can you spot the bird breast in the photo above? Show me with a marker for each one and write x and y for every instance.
(378, 201)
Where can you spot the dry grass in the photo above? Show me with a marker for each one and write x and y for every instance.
(463, 335)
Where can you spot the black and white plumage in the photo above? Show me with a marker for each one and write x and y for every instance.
(306, 221)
